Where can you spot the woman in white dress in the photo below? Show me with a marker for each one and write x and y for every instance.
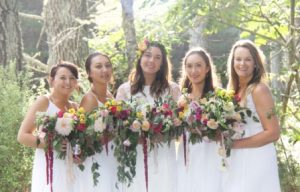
(252, 164)
(151, 80)
(201, 171)
(99, 69)
(63, 80)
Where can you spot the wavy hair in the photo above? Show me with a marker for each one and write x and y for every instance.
(259, 72)
(210, 76)
(161, 81)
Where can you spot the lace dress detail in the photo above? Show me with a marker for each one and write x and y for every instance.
(252, 169)
(161, 166)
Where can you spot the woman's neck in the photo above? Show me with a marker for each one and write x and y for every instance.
(149, 78)
(197, 90)
(100, 90)
(61, 101)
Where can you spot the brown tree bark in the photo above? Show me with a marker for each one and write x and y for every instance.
(66, 30)
(129, 31)
(10, 34)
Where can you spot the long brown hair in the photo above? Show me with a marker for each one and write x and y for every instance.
(161, 81)
(184, 80)
(259, 61)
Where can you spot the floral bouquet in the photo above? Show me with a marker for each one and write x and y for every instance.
(223, 117)
(127, 139)
(54, 130)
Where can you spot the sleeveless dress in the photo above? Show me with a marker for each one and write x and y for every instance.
(60, 179)
(108, 171)
(162, 165)
(252, 169)
(202, 173)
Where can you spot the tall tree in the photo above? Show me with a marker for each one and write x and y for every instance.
(129, 31)
(10, 34)
(66, 30)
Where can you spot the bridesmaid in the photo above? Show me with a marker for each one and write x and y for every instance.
(149, 81)
(252, 164)
(202, 171)
(99, 69)
(63, 80)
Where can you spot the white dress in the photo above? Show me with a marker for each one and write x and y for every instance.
(252, 169)
(108, 172)
(202, 172)
(60, 179)
(162, 166)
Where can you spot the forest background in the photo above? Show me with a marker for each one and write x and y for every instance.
(35, 34)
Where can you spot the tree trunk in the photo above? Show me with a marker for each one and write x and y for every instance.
(129, 31)
(276, 65)
(10, 34)
(65, 33)
(196, 36)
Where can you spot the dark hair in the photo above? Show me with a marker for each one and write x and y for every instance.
(184, 80)
(88, 62)
(161, 81)
(70, 66)
(258, 57)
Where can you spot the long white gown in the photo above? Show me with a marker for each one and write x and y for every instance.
(60, 179)
(162, 175)
(108, 172)
(252, 169)
(202, 172)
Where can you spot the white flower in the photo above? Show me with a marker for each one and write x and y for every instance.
(212, 124)
(64, 126)
(99, 125)
(136, 125)
(222, 152)
(127, 143)
(229, 107)
(145, 125)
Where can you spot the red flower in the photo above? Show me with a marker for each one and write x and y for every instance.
(113, 109)
(81, 127)
(156, 127)
(237, 98)
(60, 114)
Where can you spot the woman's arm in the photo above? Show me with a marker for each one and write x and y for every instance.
(264, 105)
(25, 134)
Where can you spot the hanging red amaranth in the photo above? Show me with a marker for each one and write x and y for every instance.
(145, 160)
(184, 146)
(49, 162)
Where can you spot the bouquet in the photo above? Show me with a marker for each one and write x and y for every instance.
(127, 139)
(54, 129)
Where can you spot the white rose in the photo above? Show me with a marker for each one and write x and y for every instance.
(127, 143)
(99, 125)
(64, 126)
(212, 124)
(136, 125)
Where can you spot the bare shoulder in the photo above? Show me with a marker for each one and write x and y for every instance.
(89, 101)
(261, 90)
(40, 104)
(262, 95)
(124, 86)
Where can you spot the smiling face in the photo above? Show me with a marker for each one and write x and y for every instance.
(100, 69)
(151, 61)
(196, 69)
(63, 81)
(243, 63)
